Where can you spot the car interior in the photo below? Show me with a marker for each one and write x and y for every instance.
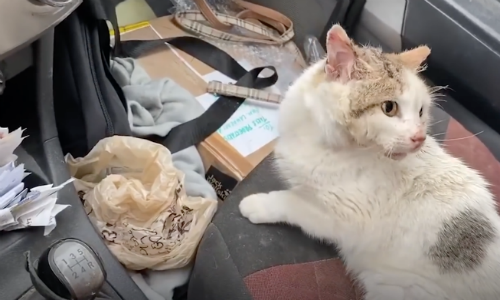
(236, 259)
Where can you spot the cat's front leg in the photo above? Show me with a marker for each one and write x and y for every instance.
(288, 207)
(399, 286)
(399, 293)
(386, 293)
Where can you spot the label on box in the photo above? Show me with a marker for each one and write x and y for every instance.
(253, 125)
(222, 183)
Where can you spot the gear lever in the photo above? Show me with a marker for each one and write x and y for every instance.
(69, 269)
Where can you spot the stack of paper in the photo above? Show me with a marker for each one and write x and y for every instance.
(20, 207)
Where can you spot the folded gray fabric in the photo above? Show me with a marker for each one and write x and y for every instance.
(160, 285)
(155, 107)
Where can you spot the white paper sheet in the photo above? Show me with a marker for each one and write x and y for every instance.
(252, 126)
(7, 167)
(11, 195)
(20, 208)
(6, 218)
(52, 220)
(8, 143)
(10, 179)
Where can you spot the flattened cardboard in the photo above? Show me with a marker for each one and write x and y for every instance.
(165, 62)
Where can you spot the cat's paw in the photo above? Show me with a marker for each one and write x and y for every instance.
(262, 208)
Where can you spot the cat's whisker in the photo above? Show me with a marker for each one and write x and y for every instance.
(422, 68)
(461, 138)
(437, 122)
(436, 134)
(435, 98)
(434, 89)
(438, 105)
(391, 148)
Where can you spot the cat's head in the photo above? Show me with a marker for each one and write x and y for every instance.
(377, 99)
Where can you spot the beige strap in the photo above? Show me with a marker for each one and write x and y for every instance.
(191, 20)
(224, 89)
(252, 19)
(210, 15)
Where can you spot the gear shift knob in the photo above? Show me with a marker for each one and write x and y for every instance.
(69, 269)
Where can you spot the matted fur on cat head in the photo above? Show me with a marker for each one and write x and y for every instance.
(364, 97)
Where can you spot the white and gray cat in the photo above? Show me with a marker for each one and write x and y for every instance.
(411, 221)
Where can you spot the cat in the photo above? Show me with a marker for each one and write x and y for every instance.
(411, 222)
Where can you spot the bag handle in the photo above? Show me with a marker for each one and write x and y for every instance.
(264, 12)
(261, 23)
(210, 15)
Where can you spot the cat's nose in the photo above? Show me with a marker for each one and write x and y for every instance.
(418, 138)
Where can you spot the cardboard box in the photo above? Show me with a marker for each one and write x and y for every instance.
(225, 166)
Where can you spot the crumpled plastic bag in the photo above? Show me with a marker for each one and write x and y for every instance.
(136, 199)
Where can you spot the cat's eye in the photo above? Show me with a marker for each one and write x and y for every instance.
(390, 108)
(421, 112)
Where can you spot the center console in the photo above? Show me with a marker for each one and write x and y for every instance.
(26, 60)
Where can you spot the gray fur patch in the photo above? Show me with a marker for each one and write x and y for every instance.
(462, 242)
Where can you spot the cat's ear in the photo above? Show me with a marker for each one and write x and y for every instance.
(415, 57)
(340, 54)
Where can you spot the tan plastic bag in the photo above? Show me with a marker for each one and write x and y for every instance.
(136, 198)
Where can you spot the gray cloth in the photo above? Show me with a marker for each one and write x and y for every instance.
(159, 285)
(155, 107)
